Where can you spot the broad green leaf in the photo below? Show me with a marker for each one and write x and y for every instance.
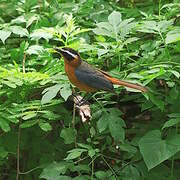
(104, 32)
(155, 150)
(114, 18)
(171, 123)
(91, 153)
(45, 126)
(8, 83)
(174, 115)
(18, 20)
(4, 125)
(50, 93)
(102, 52)
(130, 40)
(116, 129)
(28, 123)
(65, 91)
(40, 33)
(68, 134)
(35, 49)
(33, 18)
(86, 146)
(173, 36)
(19, 31)
(75, 153)
(177, 74)
(148, 27)
(3, 152)
(4, 34)
(101, 174)
(53, 170)
(158, 102)
(102, 123)
(29, 115)
(131, 173)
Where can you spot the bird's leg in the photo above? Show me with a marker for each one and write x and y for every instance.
(85, 99)
(77, 101)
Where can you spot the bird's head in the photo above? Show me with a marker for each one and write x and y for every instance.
(69, 54)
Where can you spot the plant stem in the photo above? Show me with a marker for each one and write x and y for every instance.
(112, 170)
(92, 170)
(23, 64)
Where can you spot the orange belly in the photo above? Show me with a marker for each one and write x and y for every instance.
(70, 71)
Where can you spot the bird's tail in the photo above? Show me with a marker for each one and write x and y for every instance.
(124, 83)
(127, 84)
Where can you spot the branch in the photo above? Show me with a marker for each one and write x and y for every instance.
(23, 64)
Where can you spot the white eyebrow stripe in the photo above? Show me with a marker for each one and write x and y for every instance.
(71, 54)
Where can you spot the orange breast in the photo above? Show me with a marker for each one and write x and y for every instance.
(70, 71)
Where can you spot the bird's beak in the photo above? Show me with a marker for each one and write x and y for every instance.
(58, 50)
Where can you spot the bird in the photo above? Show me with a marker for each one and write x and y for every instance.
(88, 78)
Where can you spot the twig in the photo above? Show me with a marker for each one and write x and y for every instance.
(73, 123)
(18, 147)
(23, 64)
(27, 172)
(112, 170)
(73, 119)
(81, 159)
(92, 170)
(110, 157)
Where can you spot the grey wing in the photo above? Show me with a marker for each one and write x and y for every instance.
(92, 77)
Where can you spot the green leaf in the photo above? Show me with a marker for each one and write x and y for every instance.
(158, 102)
(50, 93)
(91, 153)
(155, 150)
(75, 153)
(130, 173)
(68, 134)
(33, 18)
(19, 31)
(40, 33)
(4, 34)
(29, 115)
(101, 174)
(53, 170)
(45, 126)
(35, 49)
(114, 18)
(171, 123)
(8, 83)
(65, 91)
(102, 123)
(3, 152)
(176, 74)
(4, 125)
(173, 36)
(116, 129)
(28, 123)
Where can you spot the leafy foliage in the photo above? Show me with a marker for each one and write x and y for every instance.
(131, 135)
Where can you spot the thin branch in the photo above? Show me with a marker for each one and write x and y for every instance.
(23, 64)
(81, 159)
(92, 170)
(27, 172)
(73, 123)
(112, 170)
(73, 118)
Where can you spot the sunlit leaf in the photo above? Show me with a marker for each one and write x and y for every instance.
(4, 34)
